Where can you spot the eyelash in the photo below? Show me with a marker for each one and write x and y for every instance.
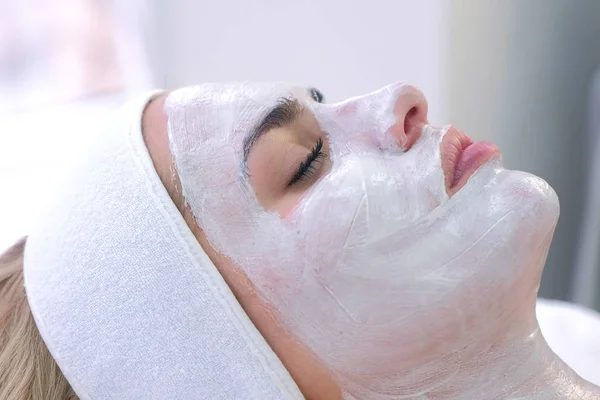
(307, 168)
(317, 95)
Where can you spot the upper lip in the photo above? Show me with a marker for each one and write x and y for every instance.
(453, 144)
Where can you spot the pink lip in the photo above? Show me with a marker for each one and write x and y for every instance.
(461, 157)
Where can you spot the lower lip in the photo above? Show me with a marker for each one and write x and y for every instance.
(473, 157)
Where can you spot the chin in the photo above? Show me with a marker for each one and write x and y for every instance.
(505, 220)
(493, 193)
(533, 198)
(533, 210)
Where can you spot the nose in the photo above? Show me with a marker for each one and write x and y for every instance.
(410, 111)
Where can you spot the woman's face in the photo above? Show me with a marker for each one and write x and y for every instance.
(391, 249)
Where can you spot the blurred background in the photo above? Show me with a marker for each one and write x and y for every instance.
(519, 73)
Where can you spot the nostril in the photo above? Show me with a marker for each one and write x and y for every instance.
(414, 120)
(410, 116)
(411, 120)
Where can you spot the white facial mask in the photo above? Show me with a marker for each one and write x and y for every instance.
(384, 278)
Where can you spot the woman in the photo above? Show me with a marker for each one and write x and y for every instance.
(246, 241)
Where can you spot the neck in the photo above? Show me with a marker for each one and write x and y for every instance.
(522, 369)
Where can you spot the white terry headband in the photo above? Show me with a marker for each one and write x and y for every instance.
(125, 298)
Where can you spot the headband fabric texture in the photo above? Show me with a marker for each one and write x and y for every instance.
(125, 298)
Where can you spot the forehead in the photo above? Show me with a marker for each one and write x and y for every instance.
(225, 112)
(225, 108)
(265, 94)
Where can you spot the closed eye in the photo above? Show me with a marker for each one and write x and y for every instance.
(310, 165)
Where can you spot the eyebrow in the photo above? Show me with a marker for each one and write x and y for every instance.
(287, 110)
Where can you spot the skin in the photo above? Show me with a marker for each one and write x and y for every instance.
(271, 165)
(281, 150)
(312, 378)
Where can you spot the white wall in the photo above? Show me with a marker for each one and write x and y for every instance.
(518, 74)
(344, 48)
(514, 72)
(36, 150)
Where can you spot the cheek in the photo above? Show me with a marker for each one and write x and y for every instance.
(295, 197)
(270, 167)
(288, 204)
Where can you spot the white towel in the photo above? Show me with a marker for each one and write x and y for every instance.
(125, 298)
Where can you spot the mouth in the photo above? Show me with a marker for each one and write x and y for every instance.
(461, 157)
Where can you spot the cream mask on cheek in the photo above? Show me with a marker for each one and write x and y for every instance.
(393, 285)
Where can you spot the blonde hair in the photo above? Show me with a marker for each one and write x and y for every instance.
(27, 370)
